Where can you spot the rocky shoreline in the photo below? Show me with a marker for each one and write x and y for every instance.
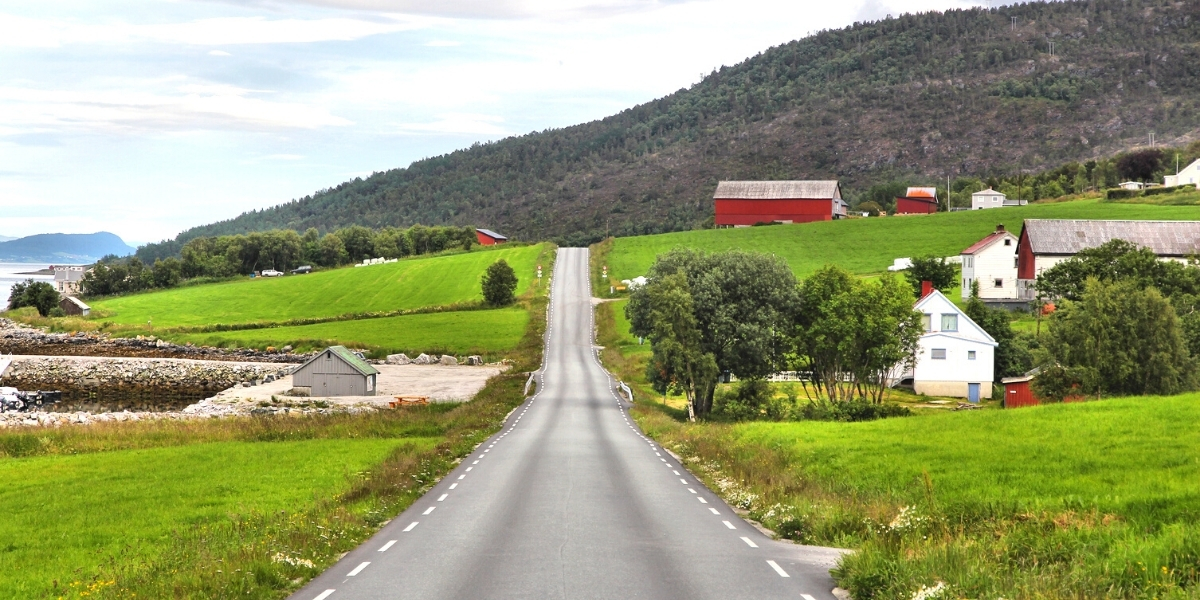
(16, 338)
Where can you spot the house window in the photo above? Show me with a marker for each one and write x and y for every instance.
(938, 354)
(949, 322)
(1007, 241)
(1016, 262)
(927, 321)
(970, 262)
(998, 282)
(970, 355)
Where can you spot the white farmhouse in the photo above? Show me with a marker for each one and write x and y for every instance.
(955, 357)
(990, 198)
(992, 262)
(1190, 175)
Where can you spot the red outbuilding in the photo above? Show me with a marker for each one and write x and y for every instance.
(917, 201)
(1017, 392)
(744, 203)
(487, 237)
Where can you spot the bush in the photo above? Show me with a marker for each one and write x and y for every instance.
(850, 410)
(37, 294)
(1167, 190)
(744, 401)
(1120, 193)
(499, 284)
(57, 312)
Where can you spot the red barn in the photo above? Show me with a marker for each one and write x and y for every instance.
(917, 201)
(1017, 392)
(744, 203)
(487, 237)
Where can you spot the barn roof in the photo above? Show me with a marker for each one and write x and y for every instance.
(778, 190)
(921, 192)
(1069, 236)
(491, 234)
(348, 357)
(77, 302)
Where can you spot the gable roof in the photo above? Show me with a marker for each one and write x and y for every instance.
(938, 298)
(347, 356)
(1069, 236)
(921, 192)
(491, 234)
(778, 190)
(76, 302)
(988, 241)
(988, 192)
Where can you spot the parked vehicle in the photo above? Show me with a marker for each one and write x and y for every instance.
(14, 400)
(272, 273)
(302, 270)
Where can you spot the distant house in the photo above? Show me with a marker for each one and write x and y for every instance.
(955, 357)
(487, 237)
(917, 201)
(1044, 243)
(1190, 175)
(1131, 185)
(990, 198)
(67, 278)
(336, 372)
(745, 203)
(992, 262)
(74, 307)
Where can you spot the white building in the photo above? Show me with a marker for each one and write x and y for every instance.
(1131, 185)
(1190, 175)
(990, 198)
(955, 357)
(992, 262)
(66, 280)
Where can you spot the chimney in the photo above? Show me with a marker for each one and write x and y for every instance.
(1000, 228)
(926, 288)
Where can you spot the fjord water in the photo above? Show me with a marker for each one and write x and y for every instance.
(10, 273)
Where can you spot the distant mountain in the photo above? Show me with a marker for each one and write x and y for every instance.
(5, 238)
(919, 97)
(63, 247)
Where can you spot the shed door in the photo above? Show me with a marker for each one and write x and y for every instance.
(973, 392)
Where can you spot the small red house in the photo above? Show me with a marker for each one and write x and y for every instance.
(745, 203)
(917, 201)
(1017, 392)
(487, 237)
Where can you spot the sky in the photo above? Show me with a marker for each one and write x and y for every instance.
(147, 117)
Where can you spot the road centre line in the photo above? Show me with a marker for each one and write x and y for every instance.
(475, 463)
(690, 489)
(453, 485)
(469, 468)
(429, 510)
(749, 542)
(387, 545)
(675, 472)
(702, 500)
(807, 597)
(729, 525)
(461, 477)
(323, 595)
(683, 481)
(410, 526)
(778, 569)
(443, 497)
(357, 570)
(714, 511)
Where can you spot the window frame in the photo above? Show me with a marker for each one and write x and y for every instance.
(933, 354)
(943, 322)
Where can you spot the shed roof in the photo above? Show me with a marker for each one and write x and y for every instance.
(921, 192)
(77, 302)
(492, 234)
(348, 357)
(1069, 236)
(778, 190)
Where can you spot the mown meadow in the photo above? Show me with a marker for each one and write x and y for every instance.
(869, 245)
(237, 507)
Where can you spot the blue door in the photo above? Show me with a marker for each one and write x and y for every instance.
(973, 393)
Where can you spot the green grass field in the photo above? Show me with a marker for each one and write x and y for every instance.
(67, 515)
(485, 332)
(408, 284)
(870, 245)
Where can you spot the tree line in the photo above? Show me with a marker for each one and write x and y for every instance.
(155, 265)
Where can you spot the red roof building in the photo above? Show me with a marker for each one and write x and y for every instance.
(487, 237)
(745, 203)
(917, 201)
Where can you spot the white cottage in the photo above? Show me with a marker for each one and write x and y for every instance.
(955, 357)
(992, 262)
(1190, 175)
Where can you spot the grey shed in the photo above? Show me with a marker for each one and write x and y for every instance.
(336, 372)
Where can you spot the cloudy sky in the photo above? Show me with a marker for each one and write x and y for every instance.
(146, 117)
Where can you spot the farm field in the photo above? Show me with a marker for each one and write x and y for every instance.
(407, 284)
(870, 245)
(485, 332)
(137, 499)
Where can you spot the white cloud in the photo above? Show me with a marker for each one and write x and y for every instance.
(457, 124)
(442, 44)
(284, 157)
(218, 53)
(49, 33)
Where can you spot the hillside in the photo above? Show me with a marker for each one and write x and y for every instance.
(920, 96)
(868, 246)
(63, 247)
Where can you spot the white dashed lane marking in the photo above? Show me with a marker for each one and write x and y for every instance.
(387, 545)
(429, 510)
(807, 597)
(714, 511)
(453, 485)
(778, 569)
(749, 542)
(410, 526)
(702, 500)
(323, 595)
(729, 525)
(443, 497)
(357, 570)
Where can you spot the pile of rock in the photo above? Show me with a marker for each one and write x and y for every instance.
(205, 409)
(16, 338)
(69, 374)
(425, 359)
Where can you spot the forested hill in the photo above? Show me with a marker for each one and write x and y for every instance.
(918, 96)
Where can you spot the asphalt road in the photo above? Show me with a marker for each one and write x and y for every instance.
(570, 500)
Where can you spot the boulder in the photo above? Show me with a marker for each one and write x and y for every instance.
(475, 360)
(423, 359)
(448, 360)
(398, 359)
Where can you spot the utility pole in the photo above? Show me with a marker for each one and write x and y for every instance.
(1051, 48)
(1014, 23)
(1151, 139)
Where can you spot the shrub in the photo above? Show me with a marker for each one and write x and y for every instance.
(745, 401)
(859, 409)
(499, 284)
(1120, 193)
(1167, 190)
